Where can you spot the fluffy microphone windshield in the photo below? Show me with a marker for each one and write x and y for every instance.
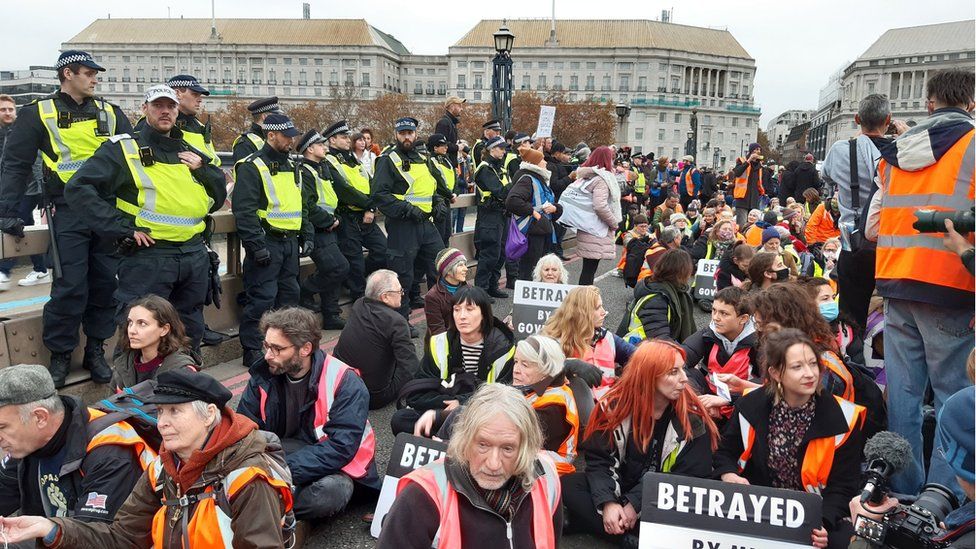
(890, 447)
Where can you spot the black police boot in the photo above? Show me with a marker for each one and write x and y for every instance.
(307, 301)
(333, 323)
(495, 292)
(95, 361)
(417, 302)
(60, 365)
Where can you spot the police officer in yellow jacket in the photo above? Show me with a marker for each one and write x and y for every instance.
(438, 147)
(489, 228)
(252, 140)
(190, 94)
(489, 130)
(67, 127)
(270, 213)
(163, 189)
(357, 212)
(404, 187)
(331, 267)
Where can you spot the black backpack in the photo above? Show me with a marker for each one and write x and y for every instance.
(129, 406)
(636, 249)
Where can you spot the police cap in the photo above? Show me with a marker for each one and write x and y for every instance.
(338, 128)
(189, 82)
(497, 141)
(310, 138)
(77, 56)
(277, 122)
(492, 125)
(406, 124)
(268, 104)
(436, 140)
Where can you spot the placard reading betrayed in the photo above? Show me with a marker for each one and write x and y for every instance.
(693, 513)
(547, 115)
(409, 453)
(533, 303)
(705, 278)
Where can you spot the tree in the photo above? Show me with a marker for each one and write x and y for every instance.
(587, 121)
(342, 102)
(474, 115)
(768, 151)
(380, 113)
(308, 116)
(229, 122)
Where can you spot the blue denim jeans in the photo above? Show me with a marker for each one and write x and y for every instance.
(923, 344)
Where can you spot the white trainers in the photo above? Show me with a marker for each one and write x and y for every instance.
(4, 282)
(34, 278)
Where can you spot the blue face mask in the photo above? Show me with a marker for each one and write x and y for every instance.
(830, 310)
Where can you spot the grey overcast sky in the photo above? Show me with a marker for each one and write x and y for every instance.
(796, 45)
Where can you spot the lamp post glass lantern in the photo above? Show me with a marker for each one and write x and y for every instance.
(501, 77)
(622, 110)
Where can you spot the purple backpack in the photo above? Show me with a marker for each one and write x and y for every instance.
(517, 243)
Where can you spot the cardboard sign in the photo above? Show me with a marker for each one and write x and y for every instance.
(409, 453)
(533, 303)
(692, 513)
(547, 115)
(705, 279)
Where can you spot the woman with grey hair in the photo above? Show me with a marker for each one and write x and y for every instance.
(494, 489)
(550, 269)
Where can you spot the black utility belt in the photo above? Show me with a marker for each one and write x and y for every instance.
(280, 234)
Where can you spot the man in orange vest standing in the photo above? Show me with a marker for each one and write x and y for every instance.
(318, 407)
(928, 292)
(495, 488)
(689, 182)
(748, 183)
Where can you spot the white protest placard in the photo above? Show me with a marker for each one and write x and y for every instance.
(533, 303)
(705, 278)
(693, 513)
(409, 453)
(547, 115)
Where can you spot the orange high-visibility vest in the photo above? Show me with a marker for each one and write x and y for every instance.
(603, 356)
(690, 183)
(742, 182)
(903, 252)
(333, 371)
(561, 396)
(646, 269)
(819, 457)
(545, 494)
(120, 434)
(210, 527)
(835, 366)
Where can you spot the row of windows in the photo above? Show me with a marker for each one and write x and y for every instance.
(213, 60)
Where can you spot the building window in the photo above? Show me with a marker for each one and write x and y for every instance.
(660, 117)
(558, 82)
(318, 78)
(677, 135)
(574, 65)
(677, 118)
(591, 65)
(287, 79)
(624, 81)
(462, 81)
(302, 61)
(660, 135)
(365, 62)
(606, 83)
(319, 62)
(479, 81)
(642, 83)
(674, 152)
(365, 79)
(707, 119)
(542, 81)
(543, 64)
(477, 64)
(639, 133)
(349, 78)
(557, 65)
(418, 87)
(477, 96)
(461, 64)
(334, 78)
(590, 86)
(288, 60)
(574, 82)
(348, 62)
(735, 121)
(526, 82)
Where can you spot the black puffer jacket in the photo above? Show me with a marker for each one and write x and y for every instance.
(805, 177)
(519, 200)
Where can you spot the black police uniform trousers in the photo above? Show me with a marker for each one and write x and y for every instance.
(489, 234)
(413, 246)
(269, 287)
(331, 268)
(180, 274)
(84, 295)
(354, 235)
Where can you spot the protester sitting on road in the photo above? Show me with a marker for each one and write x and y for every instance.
(452, 273)
(823, 222)
(153, 341)
(766, 269)
(494, 489)
(792, 427)
(714, 243)
(663, 307)
(476, 348)
(669, 239)
(661, 212)
(550, 269)
(578, 326)
(649, 421)
(728, 346)
(734, 266)
(850, 345)
(376, 340)
(318, 406)
(36, 426)
(704, 222)
(206, 447)
(754, 233)
(751, 219)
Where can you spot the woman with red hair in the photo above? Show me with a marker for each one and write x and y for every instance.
(633, 431)
(596, 177)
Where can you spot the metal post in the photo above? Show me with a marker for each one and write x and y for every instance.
(694, 132)
(501, 89)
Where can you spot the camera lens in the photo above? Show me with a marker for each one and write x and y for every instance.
(938, 500)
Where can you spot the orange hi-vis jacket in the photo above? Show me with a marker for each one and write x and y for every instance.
(904, 254)
(545, 494)
(561, 396)
(121, 434)
(742, 183)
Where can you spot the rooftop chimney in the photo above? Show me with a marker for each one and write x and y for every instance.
(306, 11)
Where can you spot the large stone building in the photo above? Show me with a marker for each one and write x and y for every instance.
(898, 65)
(26, 86)
(662, 71)
(779, 128)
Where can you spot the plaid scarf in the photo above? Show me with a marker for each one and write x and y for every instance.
(504, 500)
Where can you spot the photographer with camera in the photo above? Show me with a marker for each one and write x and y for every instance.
(934, 520)
(960, 245)
(928, 293)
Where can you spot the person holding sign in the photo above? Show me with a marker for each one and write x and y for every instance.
(649, 421)
(494, 489)
(531, 200)
(662, 303)
(794, 435)
(476, 348)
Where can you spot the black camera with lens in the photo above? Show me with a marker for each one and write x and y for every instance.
(915, 526)
(932, 221)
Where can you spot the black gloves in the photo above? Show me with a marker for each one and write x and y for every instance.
(307, 248)
(12, 225)
(589, 373)
(262, 257)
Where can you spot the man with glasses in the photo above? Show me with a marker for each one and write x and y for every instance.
(318, 407)
(376, 339)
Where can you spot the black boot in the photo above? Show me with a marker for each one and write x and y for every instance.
(252, 357)
(333, 322)
(60, 365)
(95, 361)
(307, 301)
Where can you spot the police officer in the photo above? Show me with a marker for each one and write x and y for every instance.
(252, 140)
(271, 216)
(190, 96)
(162, 188)
(67, 127)
(489, 130)
(489, 228)
(357, 229)
(405, 184)
(331, 267)
(439, 149)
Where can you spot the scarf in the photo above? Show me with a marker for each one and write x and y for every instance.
(233, 427)
(924, 145)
